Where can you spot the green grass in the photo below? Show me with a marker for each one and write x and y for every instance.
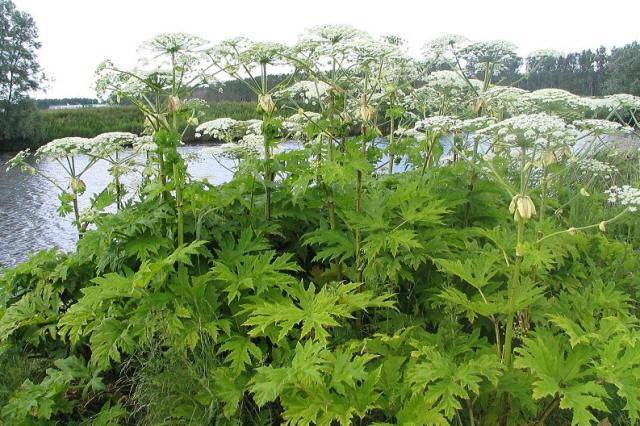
(90, 122)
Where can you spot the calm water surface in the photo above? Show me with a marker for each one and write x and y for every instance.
(28, 217)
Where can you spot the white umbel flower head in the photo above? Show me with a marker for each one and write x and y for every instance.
(307, 91)
(447, 82)
(593, 167)
(144, 144)
(63, 147)
(506, 99)
(444, 49)
(441, 124)
(106, 144)
(296, 124)
(626, 196)
(496, 52)
(540, 129)
(220, 128)
(598, 127)
(474, 124)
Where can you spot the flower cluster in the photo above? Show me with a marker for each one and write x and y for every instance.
(310, 92)
(623, 101)
(554, 98)
(333, 33)
(506, 100)
(106, 144)
(19, 160)
(296, 124)
(625, 195)
(447, 82)
(173, 43)
(144, 144)
(63, 147)
(474, 124)
(262, 53)
(404, 132)
(440, 124)
(593, 167)
(598, 127)
(444, 49)
(220, 128)
(496, 52)
(364, 51)
(540, 129)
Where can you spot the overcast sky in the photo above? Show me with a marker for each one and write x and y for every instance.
(76, 35)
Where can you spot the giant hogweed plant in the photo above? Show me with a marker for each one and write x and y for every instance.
(490, 280)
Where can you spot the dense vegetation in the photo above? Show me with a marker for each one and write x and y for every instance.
(478, 265)
(90, 122)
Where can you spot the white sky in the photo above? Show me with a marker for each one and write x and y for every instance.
(76, 35)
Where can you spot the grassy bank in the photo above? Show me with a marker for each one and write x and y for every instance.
(89, 122)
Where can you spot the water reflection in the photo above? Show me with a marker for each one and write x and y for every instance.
(28, 203)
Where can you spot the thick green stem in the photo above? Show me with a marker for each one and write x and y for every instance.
(543, 197)
(391, 154)
(177, 178)
(358, 265)
(76, 213)
(268, 175)
(427, 159)
(513, 293)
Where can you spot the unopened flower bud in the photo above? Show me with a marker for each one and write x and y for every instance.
(602, 226)
(193, 121)
(367, 113)
(174, 103)
(547, 158)
(266, 103)
(78, 186)
(522, 207)
(572, 231)
(478, 104)
(584, 192)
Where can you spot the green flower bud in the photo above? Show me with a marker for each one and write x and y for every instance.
(78, 186)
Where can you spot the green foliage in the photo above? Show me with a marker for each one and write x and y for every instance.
(314, 288)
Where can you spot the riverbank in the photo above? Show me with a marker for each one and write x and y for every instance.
(90, 122)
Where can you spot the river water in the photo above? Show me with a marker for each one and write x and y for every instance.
(29, 220)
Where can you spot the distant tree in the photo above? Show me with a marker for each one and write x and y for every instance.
(581, 73)
(46, 103)
(623, 70)
(20, 125)
(19, 73)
